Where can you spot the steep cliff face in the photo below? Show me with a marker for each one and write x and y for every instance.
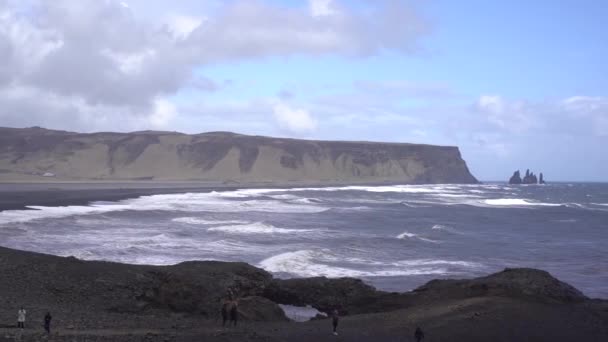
(221, 156)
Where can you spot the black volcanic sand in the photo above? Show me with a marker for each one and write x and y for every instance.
(102, 301)
(17, 196)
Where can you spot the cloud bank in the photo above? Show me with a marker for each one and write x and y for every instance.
(80, 64)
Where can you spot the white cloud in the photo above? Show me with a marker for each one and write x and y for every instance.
(321, 8)
(294, 120)
(513, 116)
(164, 112)
(588, 108)
(182, 25)
(104, 56)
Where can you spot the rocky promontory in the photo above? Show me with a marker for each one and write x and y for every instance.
(104, 301)
(37, 154)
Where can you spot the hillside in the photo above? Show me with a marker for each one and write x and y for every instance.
(30, 153)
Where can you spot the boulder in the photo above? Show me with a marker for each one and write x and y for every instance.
(257, 308)
(348, 295)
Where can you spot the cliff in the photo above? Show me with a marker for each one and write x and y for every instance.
(220, 156)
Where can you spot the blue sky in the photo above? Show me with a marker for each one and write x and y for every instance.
(514, 84)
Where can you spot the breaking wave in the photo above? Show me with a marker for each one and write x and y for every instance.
(518, 202)
(408, 235)
(199, 221)
(313, 263)
(188, 202)
(257, 228)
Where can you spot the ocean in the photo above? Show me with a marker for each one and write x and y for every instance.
(395, 237)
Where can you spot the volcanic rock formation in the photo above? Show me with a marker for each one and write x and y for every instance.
(529, 178)
(118, 302)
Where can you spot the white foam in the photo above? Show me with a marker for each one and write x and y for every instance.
(517, 202)
(440, 227)
(457, 195)
(408, 235)
(257, 228)
(40, 212)
(313, 263)
(602, 204)
(188, 202)
(199, 221)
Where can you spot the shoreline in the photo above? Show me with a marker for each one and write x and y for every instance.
(20, 195)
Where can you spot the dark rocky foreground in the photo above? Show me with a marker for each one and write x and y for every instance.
(102, 301)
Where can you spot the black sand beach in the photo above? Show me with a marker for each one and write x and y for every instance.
(101, 301)
(20, 195)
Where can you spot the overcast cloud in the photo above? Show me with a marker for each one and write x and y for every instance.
(85, 59)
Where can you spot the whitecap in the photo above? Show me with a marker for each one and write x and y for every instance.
(314, 263)
(188, 202)
(199, 221)
(457, 195)
(408, 235)
(40, 212)
(257, 228)
(517, 202)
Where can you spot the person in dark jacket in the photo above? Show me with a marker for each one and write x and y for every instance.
(47, 322)
(419, 334)
(335, 318)
(234, 312)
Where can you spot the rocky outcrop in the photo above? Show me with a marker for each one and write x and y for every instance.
(524, 283)
(529, 178)
(352, 296)
(189, 287)
(221, 157)
(103, 301)
(516, 178)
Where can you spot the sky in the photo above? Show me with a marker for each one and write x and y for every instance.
(514, 84)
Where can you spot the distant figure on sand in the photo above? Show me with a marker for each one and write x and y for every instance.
(335, 317)
(419, 334)
(47, 322)
(230, 312)
(21, 318)
(234, 312)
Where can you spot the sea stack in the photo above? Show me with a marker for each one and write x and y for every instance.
(516, 178)
(529, 178)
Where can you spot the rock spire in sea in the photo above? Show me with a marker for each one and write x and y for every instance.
(529, 178)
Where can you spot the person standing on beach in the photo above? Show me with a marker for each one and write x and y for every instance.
(21, 318)
(226, 305)
(419, 334)
(47, 322)
(335, 317)
(234, 312)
